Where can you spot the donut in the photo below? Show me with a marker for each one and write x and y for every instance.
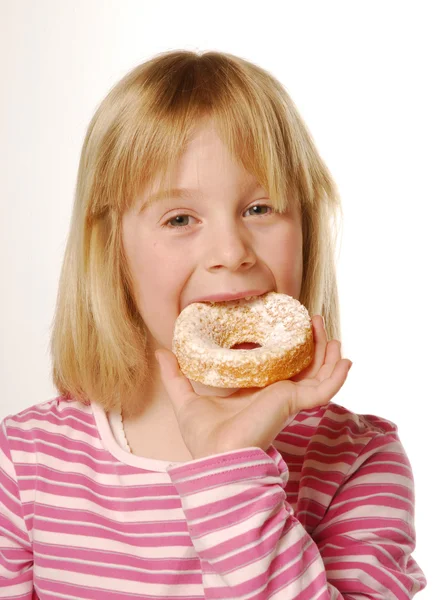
(205, 334)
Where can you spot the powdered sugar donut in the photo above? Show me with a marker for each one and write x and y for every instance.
(205, 333)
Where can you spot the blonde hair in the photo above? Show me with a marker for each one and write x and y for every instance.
(98, 340)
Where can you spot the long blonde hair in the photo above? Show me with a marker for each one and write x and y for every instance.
(98, 340)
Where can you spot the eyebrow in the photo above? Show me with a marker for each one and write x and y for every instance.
(187, 193)
(164, 194)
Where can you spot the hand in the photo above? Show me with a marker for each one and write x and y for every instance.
(252, 416)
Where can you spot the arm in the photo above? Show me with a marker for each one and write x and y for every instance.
(250, 542)
(16, 557)
(367, 536)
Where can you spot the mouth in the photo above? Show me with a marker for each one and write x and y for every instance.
(247, 296)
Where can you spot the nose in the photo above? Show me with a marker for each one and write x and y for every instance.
(230, 248)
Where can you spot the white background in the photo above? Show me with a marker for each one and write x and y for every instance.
(361, 75)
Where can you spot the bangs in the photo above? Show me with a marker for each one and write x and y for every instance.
(161, 109)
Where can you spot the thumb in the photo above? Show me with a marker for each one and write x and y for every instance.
(178, 387)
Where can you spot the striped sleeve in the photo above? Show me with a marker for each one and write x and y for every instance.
(251, 544)
(367, 535)
(16, 557)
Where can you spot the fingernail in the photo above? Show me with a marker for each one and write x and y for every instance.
(323, 322)
(157, 356)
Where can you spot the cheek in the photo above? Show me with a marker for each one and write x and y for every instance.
(287, 261)
(159, 274)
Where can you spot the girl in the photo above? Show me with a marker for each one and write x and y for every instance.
(199, 179)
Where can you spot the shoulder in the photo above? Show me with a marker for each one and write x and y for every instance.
(333, 422)
(59, 409)
(338, 423)
(371, 440)
(337, 457)
(335, 439)
(47, 422)
(337, 418)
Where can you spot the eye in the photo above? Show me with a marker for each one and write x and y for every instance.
(259, 206)
(179, 221)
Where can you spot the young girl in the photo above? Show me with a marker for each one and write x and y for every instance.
(198, 180)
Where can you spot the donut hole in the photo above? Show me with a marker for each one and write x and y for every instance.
(235, 331)
(245, 346)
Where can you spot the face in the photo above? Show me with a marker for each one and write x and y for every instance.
(224, 238)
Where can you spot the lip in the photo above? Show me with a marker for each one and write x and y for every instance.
(228, 297)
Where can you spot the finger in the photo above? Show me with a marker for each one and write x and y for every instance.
(332, 357)
(320, 345)
(333, 352)
(330, 386)
(178, 387)
(311, 396)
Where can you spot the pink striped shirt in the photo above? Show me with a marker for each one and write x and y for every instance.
(326, 513)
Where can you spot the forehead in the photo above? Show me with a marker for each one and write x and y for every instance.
(193, 193)
(204, 165)
(206, 169)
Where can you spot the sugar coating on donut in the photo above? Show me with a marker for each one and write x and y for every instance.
(205, 332)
